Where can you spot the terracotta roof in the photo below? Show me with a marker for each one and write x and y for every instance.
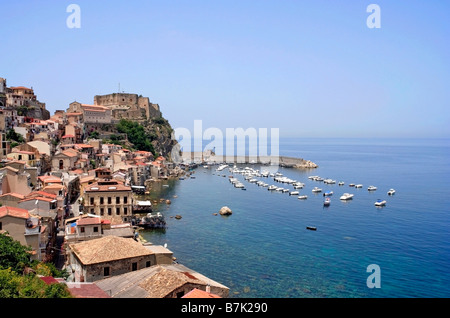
(108, 248)
(14, 212)
(21, 88)
(69, 153)
(38, 198)
(13, 194)
(86, 290)
(48, 280)
(198, 293)
(42, 194)
(89, 221)
(166, 281)
(83, 146)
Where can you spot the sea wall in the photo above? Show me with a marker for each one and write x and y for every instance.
(282, 161)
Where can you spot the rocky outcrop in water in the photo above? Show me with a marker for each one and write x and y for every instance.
(225, 211)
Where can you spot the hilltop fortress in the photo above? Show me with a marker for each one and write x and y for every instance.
(132, 106)
(113, 107)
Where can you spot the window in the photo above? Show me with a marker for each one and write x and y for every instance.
(92, 211)
(125, 200)
(1, 226)
(134, 266)
(102, 200)
(82, 229)
(95, 229)
(125, 211)
(117, 200)
(109, 211)
(92, 201)
(102, 211)
(106, 271)
(147, 264)
(118, 211)
(109, 200)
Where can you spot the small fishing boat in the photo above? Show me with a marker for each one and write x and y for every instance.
(302, 197)
(371, 188)
(293, 193)
(358, 186)
(311, 228)
(328, 193)
(380, 202)
(327, 201)
(341, 183)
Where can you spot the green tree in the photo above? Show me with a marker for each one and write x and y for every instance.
(13, 136)
(13, 254)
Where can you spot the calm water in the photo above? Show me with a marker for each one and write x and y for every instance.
(264, 249)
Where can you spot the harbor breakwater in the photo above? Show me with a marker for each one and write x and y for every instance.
(282, 161)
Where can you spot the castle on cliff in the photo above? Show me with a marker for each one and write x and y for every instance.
(113, 107)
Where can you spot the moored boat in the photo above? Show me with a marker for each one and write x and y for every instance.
(327, 201)
(391, 192)
(380, 202)
(346, 196)
(316, 190)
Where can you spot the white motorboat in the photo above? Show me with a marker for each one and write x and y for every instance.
(327, 201)
(316, 190)
(272, 187)
(341, 183)
(302, 197)
(328, 193)
(346, 196)
(371, 188)
(358, 186)
(391, 192)
(293, 193)
(285, 190)
(239, 185)
(221, 167)
(351, 185)
(380, 202)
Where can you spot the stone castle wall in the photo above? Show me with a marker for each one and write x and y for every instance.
(130, 106)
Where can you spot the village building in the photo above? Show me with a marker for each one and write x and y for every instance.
(26, 229)
(108, 198)
(14, 180)
(107, 256)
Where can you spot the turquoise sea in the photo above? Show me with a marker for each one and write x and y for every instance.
(263, 250)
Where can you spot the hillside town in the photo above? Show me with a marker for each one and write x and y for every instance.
(70, 185)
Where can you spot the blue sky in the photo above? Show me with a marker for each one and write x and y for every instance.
(309, 68)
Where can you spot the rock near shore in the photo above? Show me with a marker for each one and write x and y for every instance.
(225, 211)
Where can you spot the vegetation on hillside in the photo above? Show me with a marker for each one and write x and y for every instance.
(137, 135)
